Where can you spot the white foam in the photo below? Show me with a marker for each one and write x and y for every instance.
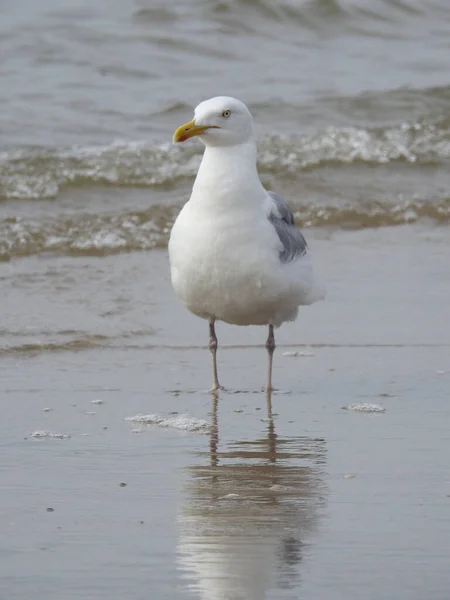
(182, 422)
(365, 407)
(49, 434)
(278, 488)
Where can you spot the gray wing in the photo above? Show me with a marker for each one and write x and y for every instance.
(281, 217)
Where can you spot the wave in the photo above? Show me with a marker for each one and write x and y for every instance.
(412, 157)
(91, 235)
(309, 13)
(34, 348)
(102, 235)
(40, 173)
(314, 14)
(18, 342)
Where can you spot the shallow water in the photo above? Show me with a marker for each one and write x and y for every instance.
(315, 501)
(224, 499)
(339, 486)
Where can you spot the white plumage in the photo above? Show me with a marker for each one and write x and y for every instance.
(235, 253)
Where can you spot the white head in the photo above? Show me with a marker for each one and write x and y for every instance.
(220, 121)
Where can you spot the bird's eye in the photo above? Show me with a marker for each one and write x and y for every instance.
(226, 114)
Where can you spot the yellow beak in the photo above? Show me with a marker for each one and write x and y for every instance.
(188, 130)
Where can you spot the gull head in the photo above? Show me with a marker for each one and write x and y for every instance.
(220, 121)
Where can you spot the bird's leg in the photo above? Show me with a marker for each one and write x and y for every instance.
(270, 345)
(213, 348)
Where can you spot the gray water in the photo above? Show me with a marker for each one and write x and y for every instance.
(240, 497)
(351, 102)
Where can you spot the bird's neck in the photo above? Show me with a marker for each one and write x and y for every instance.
(227, 172)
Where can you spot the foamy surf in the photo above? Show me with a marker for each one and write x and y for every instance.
(365, 407)
(43, 172)
(50, 435)
(180, 422)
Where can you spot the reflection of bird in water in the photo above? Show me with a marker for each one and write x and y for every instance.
(250, 513)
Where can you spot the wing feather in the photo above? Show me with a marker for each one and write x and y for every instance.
(281, 217)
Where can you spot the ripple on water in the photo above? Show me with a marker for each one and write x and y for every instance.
(180, 422)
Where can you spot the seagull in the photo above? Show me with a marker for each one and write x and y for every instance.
(235, 253)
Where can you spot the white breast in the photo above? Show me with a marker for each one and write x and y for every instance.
(225, 264)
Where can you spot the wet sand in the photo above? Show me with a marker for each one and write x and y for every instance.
(223, 499)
